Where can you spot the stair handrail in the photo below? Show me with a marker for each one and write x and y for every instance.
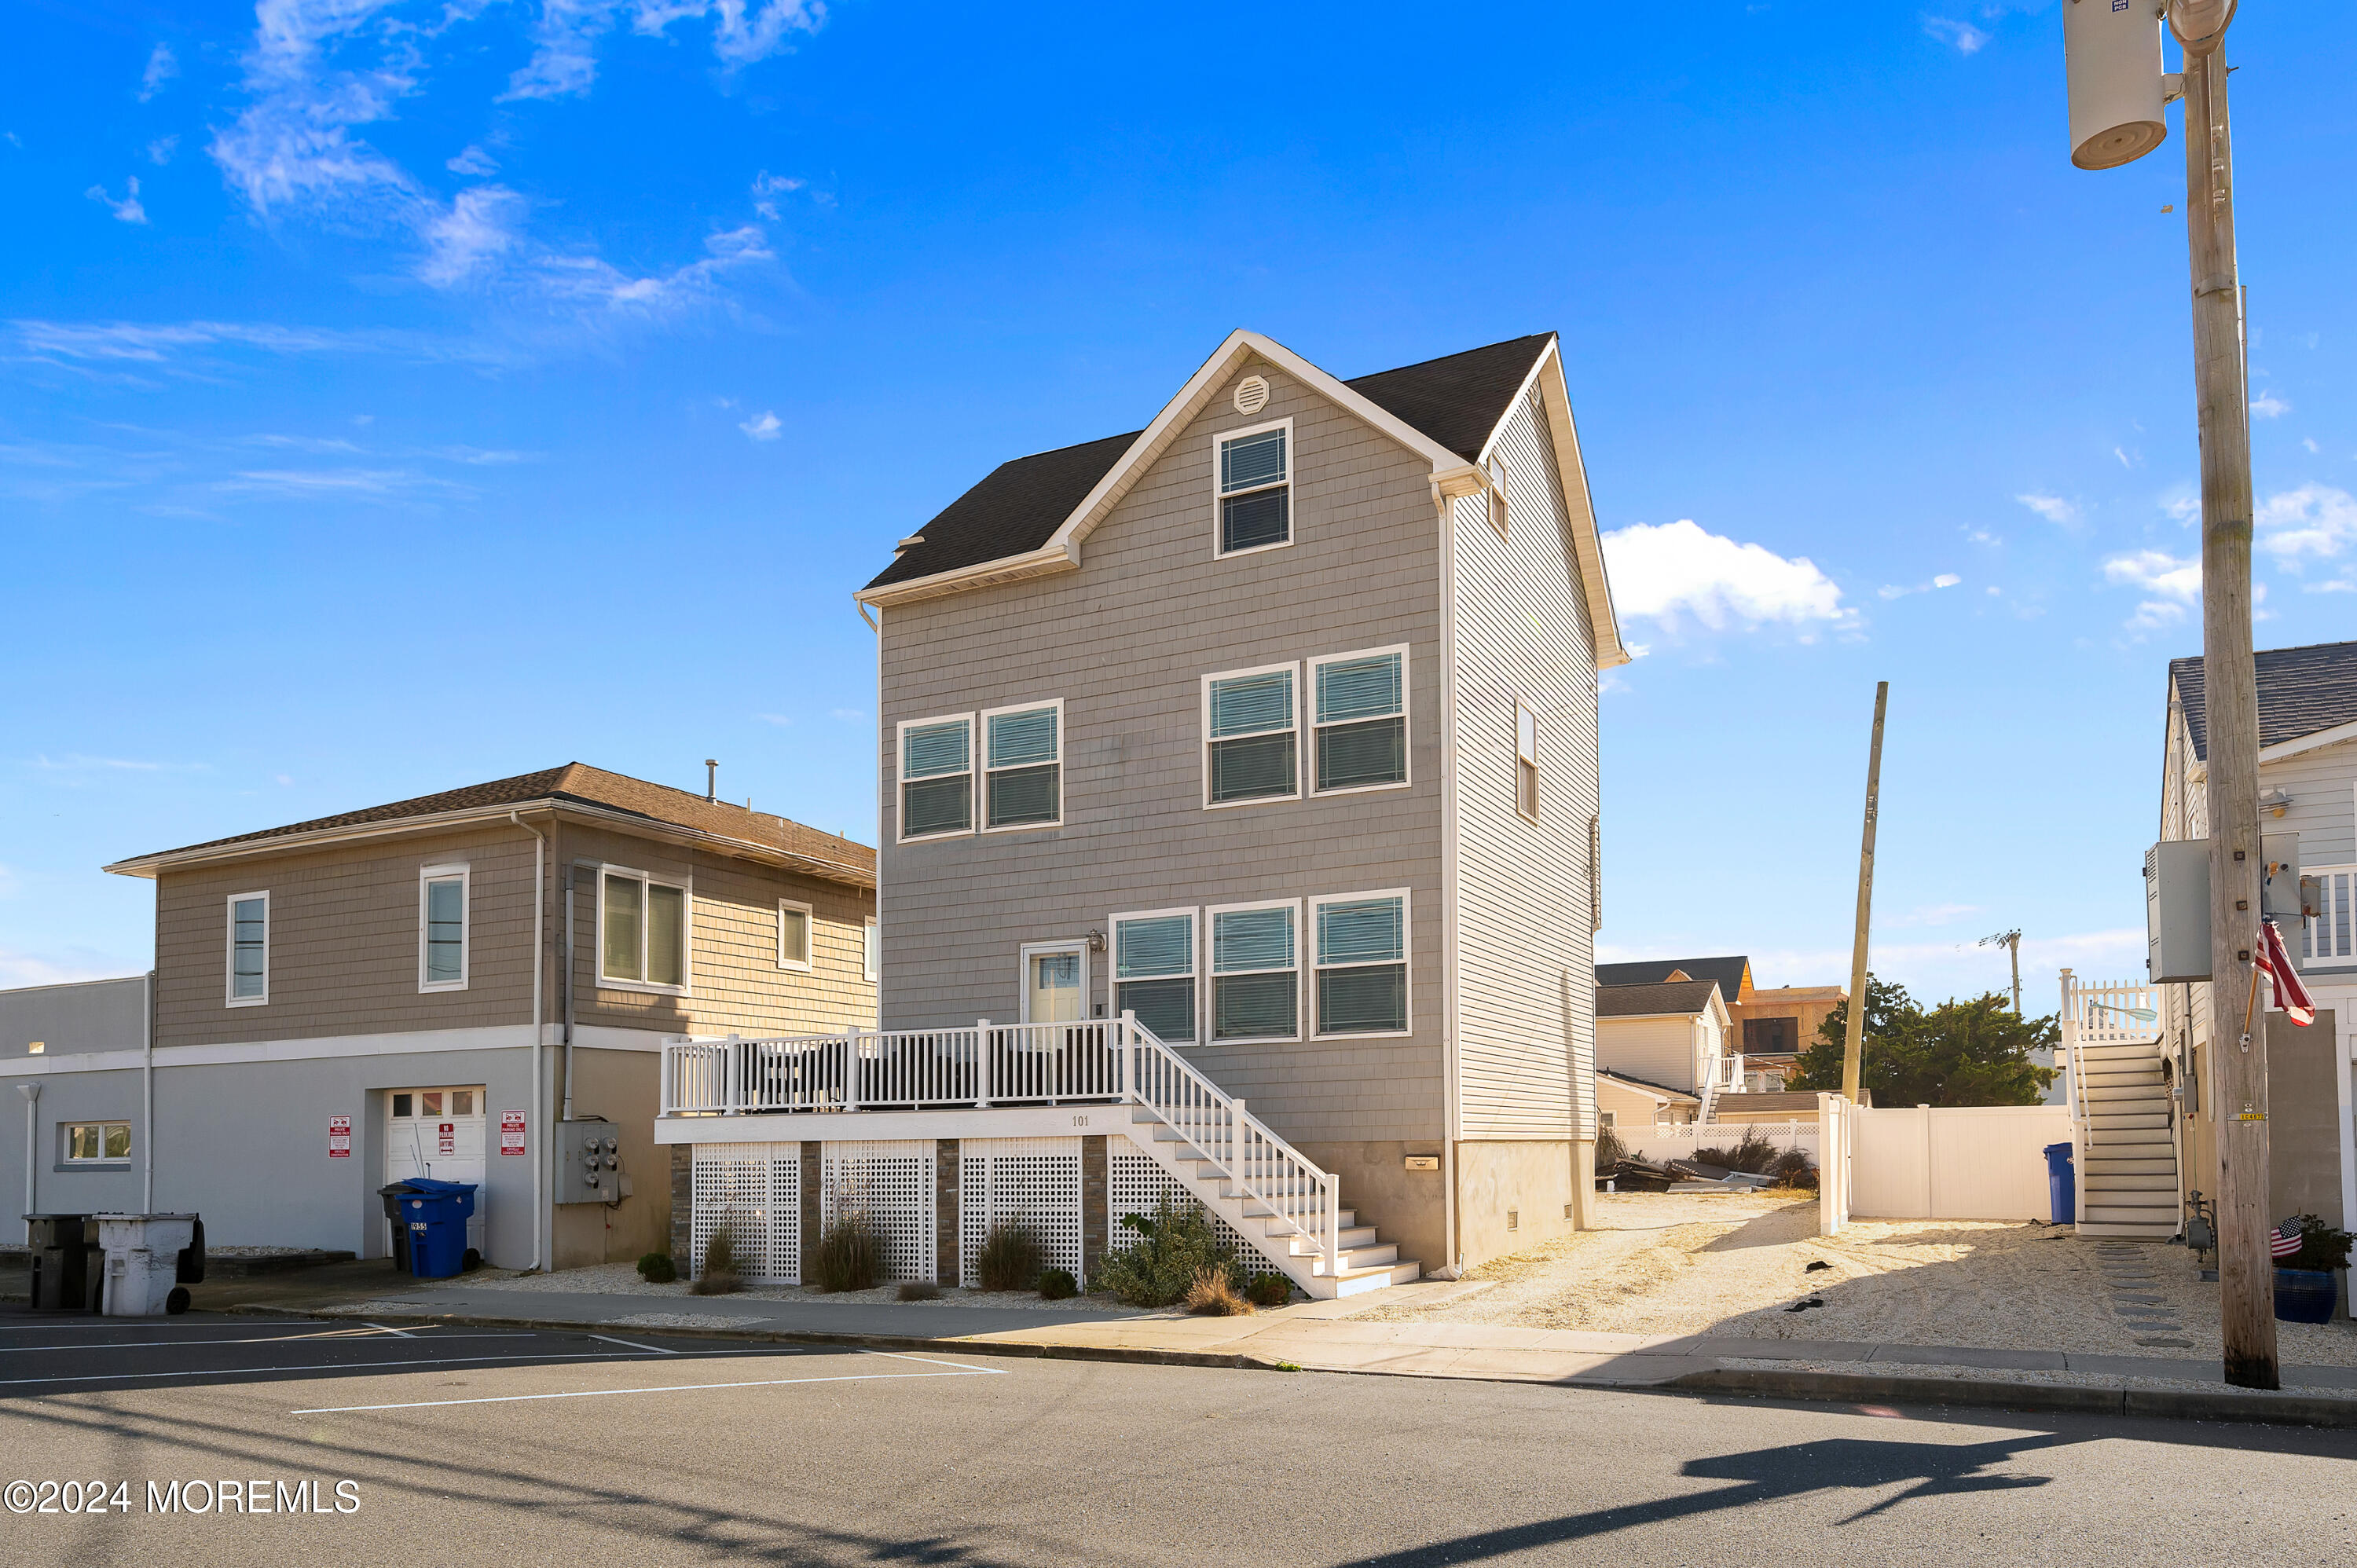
(1241, 1146)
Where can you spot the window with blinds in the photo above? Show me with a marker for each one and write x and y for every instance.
(1255, 974)
(1154, 971)
(937, 776)
(1255, 490)
(249, 949)
(641, 931)
(1361, 719)
(1526, 762)
(1023, 782)
(1361, 963)
(442, 928)
(1251, 732)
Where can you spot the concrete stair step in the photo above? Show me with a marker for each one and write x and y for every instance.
(1357, 1282)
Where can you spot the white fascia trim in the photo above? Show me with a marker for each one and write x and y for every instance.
(1048, 558)
(149, 865)
(488, 1037)
(1036, 1122)
(2315, 742)
(1588, 543)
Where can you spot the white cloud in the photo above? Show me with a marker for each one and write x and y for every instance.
(359, 484)
(591, 280)
(564, 39)
(2310, 442)
(1962, 36)
(2158, 572)
(767, 188)
(2314, 520)
(2053, 509)
(482, 224)
(2266, 405)
(121, 343)
(765, 428)
(1946, 580)
(1669, 572)
(2184, 504)
(160, 150)
(473, 162)
(127, 211)
(161, 69)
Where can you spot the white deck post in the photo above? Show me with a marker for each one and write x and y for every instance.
(739, 1068)
(1125, 1042)
(982, 1054)
(851, 1070)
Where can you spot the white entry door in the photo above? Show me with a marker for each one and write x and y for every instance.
(1055, 983)
(438, 1133)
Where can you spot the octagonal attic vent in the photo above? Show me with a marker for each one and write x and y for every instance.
(1251, 395)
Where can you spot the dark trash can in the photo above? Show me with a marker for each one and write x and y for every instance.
(391, 1196)
(2304, 1296)
(2062, 1185)
(191, 1262)
(435, 1214)
(62, 1246)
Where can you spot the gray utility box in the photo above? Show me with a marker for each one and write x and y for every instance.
(589, 1163)
(2177, 904)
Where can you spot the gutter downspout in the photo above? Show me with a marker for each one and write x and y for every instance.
(31, 1091)
(538, 965)
(569, 961)
(1445, 506)
(147, 1099)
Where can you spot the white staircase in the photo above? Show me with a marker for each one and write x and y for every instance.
(2120, 1112)
(1362, 1260)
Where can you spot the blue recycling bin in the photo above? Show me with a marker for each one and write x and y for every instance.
(2061, 1183)
(434, 1213)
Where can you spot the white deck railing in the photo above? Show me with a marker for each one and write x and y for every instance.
(1722, 1075)
(2098, 1016)
(1112, 1060)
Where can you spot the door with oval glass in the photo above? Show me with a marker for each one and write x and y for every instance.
(438, 1133)
(1055, 983)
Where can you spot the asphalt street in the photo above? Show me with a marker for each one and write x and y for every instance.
(347, 1444)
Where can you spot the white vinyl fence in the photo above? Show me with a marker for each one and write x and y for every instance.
(1678, 1141)
(1981, 1162)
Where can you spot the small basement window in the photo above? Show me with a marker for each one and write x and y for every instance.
(1256, 489)
(97, 1143)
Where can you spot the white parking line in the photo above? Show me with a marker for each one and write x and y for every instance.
(319, 1366)
(634, 1344)
(677, 1388)
(396, 1333)
(259, 1339)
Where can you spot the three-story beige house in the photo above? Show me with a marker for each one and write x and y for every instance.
(1238, 803)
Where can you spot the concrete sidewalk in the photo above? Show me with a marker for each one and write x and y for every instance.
(1321, 1336)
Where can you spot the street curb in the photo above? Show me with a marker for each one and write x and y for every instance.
(2173, 1404)
(1020, 1351)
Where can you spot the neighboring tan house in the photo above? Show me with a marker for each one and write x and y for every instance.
(1670, 1034)
(1623, 1101)
(1240, 772)
(2152, 1120)
(1770, 1028)
(345, 1001)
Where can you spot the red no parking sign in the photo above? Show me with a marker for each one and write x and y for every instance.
(340, 1137)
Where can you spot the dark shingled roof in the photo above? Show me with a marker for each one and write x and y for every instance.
(1619, 1076)
(2302, 691)
(1639, 1001)
(1727, 972)
(1456, 399)
(579, 782)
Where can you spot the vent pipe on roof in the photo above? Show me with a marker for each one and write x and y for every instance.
(711, 778)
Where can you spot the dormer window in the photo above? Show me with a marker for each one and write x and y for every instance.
(1496, 469)
(1256, 489)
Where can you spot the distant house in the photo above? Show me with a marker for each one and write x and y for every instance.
(1667, 1036)
(1624, 1101)
(1768, 1028)
(431, 987)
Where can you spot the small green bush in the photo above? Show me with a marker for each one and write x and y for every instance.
(2321, 1246)
(1269, 1289)
(1058, 1284)
(850, 1254)
(919, 1290)
(719, 1274)
(1792, 1169)
(1754, 1154)
(1159, 1268)
(657, 1269)
(1010, 1257)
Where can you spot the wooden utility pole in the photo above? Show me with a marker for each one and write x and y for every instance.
(2230, 694)
(1856, 1053)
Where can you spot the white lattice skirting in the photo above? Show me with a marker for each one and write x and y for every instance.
(1022, 1181)
(1135, 1184)
(756, 1190)
(893, 1181)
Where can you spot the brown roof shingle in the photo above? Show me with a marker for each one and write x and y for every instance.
(830, 854)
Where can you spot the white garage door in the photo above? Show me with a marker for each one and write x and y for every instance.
(438, 1133)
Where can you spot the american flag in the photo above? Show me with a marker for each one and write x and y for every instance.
(2283, 981)
(2285, 1239)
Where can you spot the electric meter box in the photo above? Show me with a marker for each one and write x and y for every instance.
(589, 1163)
(2177, 904)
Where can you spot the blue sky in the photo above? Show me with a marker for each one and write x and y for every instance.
(396, 396)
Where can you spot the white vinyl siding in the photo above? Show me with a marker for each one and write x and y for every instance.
(249, 949)
(1658, 1050)
(1525, 955)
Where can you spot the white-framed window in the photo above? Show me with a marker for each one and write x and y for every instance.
(793, 934)
(1252, 744)
(1255, 971)
(1023, 773)
(1055, 983)
(443, 918)
(1359, 716)
(2331, 937)
(1254, 470)
(872, 951)
(1154, 971)
(1608, 1117)
(642, 931)
(1362, 963)
(249, 949)
(95, 1143)
(1496, 469)
(937, 776)
(1526, 762)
